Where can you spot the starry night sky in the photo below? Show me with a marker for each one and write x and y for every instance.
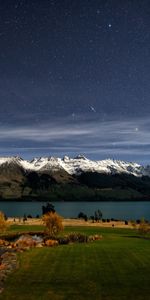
(75, 78)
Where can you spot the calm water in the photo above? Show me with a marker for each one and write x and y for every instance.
(118, 210)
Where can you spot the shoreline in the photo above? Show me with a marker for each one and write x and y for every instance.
(24, 200)
(72, 222)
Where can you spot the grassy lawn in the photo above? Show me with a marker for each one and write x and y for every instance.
(26, 228)
(115, 268)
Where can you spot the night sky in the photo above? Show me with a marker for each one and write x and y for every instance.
(75, 78)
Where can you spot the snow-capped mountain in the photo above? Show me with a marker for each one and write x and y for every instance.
(72, 179)
(77, 165)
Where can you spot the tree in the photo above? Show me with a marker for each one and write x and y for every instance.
(48, 208)
(24, 218)
(92, 218)
(83, 216)
(98, 215)
(3, 223)
(53, 223)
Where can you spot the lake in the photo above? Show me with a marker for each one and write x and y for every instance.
(117, 210)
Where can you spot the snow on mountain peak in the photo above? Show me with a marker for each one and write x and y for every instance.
(10, 159)
(66, 158)
(80, 156)
(81, 164)
(78, 165)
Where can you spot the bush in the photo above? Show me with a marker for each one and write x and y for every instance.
(53, 223)
(138, 221)
(3, 223)
(77, 237)
(143, 227)
(81, 215)
(133, 223)
(29, 216)
(63, 240)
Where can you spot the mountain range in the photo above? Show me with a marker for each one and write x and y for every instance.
(72, 179)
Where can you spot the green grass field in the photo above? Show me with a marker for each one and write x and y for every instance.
(26, 228)
(114, 268)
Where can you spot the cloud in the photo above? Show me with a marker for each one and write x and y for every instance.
(110, 137)
(42, 133)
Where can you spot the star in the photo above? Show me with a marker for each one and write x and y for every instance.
(92, 109)
(75, 64)
(136, 129)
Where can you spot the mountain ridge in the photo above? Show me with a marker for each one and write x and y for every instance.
(72, 179)
(78, 164)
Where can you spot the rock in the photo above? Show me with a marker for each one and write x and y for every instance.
(95, 237)
(10, 246)
(8, 264)
(3, 243)
(39, 245)
(37, 238)
(25, 241)
(1, 289)
(51, 243)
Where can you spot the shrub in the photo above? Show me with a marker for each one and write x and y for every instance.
(77, 237)
(63, 240)
(81, 215)
(53, 223)
(138, 221)
(29, 216)
(133, 223)
(143, 227)
(3, 223)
